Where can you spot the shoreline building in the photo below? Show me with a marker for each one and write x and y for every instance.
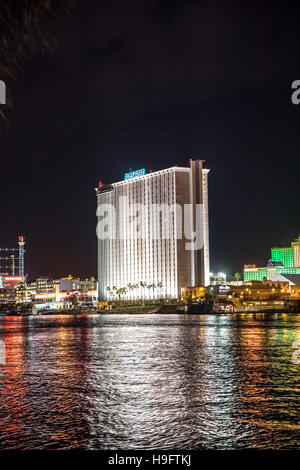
(51, 294)
(156, 257)
(285, 260)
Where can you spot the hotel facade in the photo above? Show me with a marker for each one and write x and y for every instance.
(164, 249)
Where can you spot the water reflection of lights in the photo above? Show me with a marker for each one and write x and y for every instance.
(117, 381)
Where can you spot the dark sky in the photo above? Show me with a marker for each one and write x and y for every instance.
(148, 84)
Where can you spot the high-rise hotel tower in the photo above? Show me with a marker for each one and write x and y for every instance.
(153, 233)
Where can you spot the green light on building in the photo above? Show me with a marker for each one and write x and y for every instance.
(285, 260)
(259, 274)
(285, 255)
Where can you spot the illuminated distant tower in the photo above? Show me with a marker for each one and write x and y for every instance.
(21, 255)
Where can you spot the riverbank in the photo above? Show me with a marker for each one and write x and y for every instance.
(204, 308)
(85, 311)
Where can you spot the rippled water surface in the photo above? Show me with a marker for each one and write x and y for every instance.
(150, 381)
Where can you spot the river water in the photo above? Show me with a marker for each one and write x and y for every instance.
(150, 382)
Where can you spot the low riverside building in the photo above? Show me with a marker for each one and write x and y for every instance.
(293, 281)
(41, 284)
(8, 288)
(192, 293)
(64, 300)
(83, 285)
(51, 294)
(252, 290)
(255, 290)
(7, 296)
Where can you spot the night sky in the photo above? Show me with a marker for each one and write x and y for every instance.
(136, 84)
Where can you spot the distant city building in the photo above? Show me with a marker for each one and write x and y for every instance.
(251, 272)
(284, 255)
(47, 293)
(69, 284)
(283, 261)
(64, 299)
(41, 284)
(125, 260)
(8, 287)
(44, 284)
(7, 296)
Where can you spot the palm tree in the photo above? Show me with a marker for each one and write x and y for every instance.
(110, 292)
(160, 285)
(135, 286)
(114, 292)
(150, 286)
(143, 285)
(121, 291)
(153, 287)
(93, 283)
(130, 287)
(74, 301)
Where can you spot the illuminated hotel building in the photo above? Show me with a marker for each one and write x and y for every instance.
(284, 260)
(128, 260)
